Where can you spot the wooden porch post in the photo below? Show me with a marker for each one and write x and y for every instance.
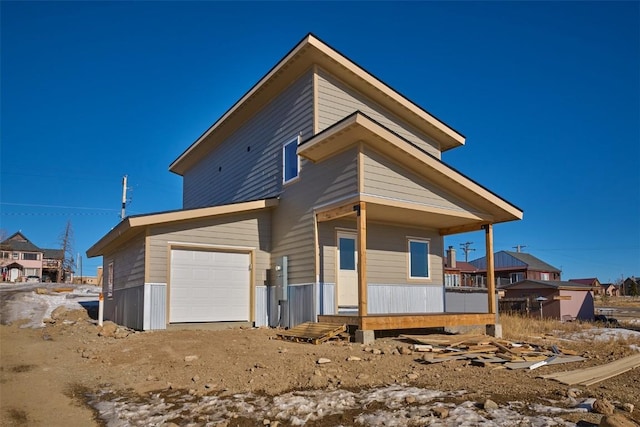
(362, 260)
(491, 277)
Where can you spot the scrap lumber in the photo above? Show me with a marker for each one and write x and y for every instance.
(313, 332)
(558, 360)
(596, 374)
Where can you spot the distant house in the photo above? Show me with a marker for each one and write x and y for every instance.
(610, 289)
(461, 274)
(553, 299)
(631, 286)
(20, 258)
(594, 283)
(512, 267)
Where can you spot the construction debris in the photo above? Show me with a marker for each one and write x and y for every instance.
(594, 375)
(483, 350)
(313, 332)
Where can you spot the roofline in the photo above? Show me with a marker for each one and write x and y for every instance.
(549, 285)
(360, 119)
(130, 224)
(312, 40)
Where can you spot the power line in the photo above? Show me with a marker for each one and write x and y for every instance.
(32, 205)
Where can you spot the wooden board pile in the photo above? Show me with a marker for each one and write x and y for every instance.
(483, 350)
(312, 332)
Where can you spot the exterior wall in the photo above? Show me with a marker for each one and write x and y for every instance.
(336, 101)
(248, 164)
(580, 306)
(128, 264)
(384, 178)
(293, 219)
(248, 229)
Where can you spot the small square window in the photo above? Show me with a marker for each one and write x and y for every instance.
(418, 259)
(290, 161)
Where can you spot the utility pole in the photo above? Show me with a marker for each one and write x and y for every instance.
(519, 247)
(124, 197)
(466, 248)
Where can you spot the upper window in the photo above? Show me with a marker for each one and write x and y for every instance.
(290, 161)
(30, 256)
(419, 259)
(544, 276)
(516, 277)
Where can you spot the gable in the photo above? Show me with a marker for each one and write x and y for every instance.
(308, 52)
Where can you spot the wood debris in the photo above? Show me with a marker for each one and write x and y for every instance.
(312, 332)
(483, 350)
(591, 376)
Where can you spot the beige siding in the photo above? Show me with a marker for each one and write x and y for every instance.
(247, 165)
(293, 225)
(250, 229)
(387, 253)
(336, 101)
(128, 264)
(384, 178)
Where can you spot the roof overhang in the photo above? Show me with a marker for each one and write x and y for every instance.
(309, 52)
(358, 128)
(131, 226)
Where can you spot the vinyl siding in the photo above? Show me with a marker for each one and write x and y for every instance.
(293, 223)
(247, 165)
(249, 229)
(128, 264)
(383, 177)
(336, 101)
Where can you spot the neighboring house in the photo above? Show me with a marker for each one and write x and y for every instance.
(319, 195)
(593, 282)
(511, 267)
(553, 299)
(20, 258)
(631, 286)
(462, 274)
(610, 289)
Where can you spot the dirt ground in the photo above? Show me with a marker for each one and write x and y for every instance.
(45, 373)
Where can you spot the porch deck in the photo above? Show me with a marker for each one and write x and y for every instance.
(379, 322)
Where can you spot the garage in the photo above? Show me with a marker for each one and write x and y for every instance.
(209, 286)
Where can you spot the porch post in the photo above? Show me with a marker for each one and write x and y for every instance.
(362, 260)
(491, 279)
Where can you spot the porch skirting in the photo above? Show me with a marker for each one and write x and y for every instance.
(379, 322)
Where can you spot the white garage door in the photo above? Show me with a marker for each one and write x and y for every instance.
(209, 286)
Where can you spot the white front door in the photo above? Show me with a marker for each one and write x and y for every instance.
(347, 260)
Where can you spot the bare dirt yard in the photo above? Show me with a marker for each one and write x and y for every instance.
(66, 373)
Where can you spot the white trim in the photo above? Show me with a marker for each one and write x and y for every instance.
(190, 245)
(427, 241)
(295, 141)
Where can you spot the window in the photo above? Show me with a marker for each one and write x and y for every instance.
(544, 276)
(418, 259)
(290, 161)
(6, 255)
(30, 256)
(516, 277)
(347, 253)
(32, 272)
(16, 255)
(110, 281)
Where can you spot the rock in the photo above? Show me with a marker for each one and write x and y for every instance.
(616, 420)
(574, 392)
(603, 406)
(195, 378)
(362, 377)
(58, 312)
(412, 376)
(368, 349)
(353, 359)
(108, 329)
(191, 358)
(395, 352)
(152, 378)
(266, 422)
(440, 412)
(209, 386)
(323, 360)
(489, 404)
(121, 333)
(627, 407)
(376, 351)
(405, 350)
(410, 399)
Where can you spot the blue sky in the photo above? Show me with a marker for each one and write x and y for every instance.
(547, 94)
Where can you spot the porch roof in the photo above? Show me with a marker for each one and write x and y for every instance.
(358, 127)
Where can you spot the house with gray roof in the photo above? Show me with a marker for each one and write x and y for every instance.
(511, 267)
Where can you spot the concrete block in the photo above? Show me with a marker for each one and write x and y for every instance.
(494, 330)
(365, 336)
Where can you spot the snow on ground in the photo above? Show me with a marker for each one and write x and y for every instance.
(24, 302)
(389, 403)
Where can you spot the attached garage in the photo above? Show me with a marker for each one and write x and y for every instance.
(209, 286)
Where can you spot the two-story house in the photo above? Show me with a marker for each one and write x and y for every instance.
(20, 258)
(511, 267)
(320, 194)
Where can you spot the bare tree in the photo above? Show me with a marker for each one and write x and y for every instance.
(66, 247)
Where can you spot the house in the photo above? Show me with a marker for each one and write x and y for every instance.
(631, 286)
(511, 267)
(610, 289)
(593, 282)
(553, 299)
(20, 258)
(319, 195)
